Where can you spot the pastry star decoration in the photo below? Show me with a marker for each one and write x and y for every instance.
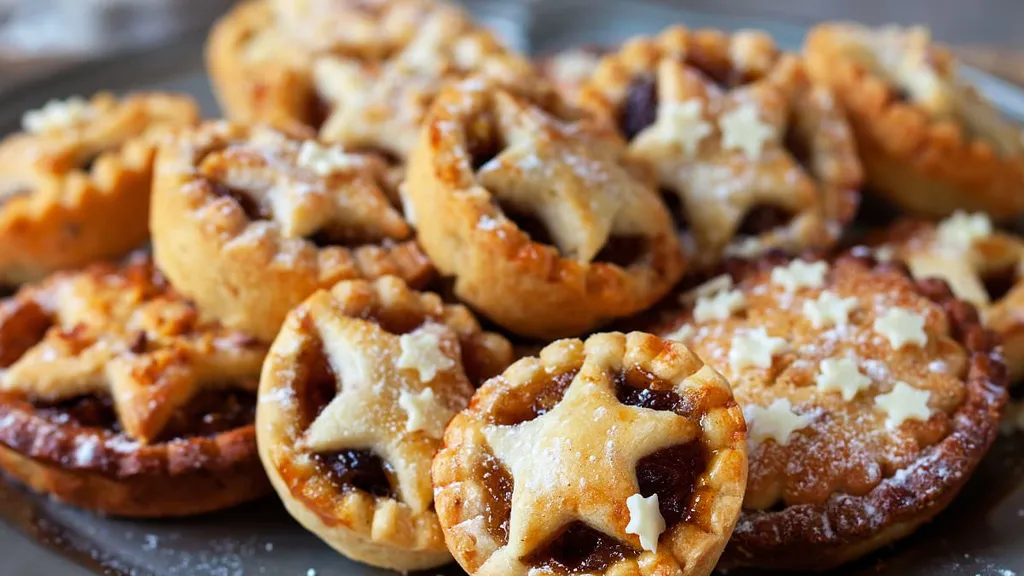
(589, 444)
(960, 230)
(381, 406)
(829, 310)
(571, 182)
(58, 115)
(901, 327)
(778, 422)
(800, 274)
(904, 403)
(308, 187)
(754, 348)
(743, 129)
(843, 375)
(645, 520)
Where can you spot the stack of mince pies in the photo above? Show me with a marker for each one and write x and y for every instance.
(613, 312)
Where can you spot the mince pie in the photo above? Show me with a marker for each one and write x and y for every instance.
(115, 396)
(754, 155)
(982, 266)
(248, 222)
(354, 398)
(930, 143)
(546, 226)
(869, 400)
(77, 166)
(624, 454)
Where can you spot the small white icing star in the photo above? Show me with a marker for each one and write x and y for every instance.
(57, 114)
(684, 122)
(829, 310)
(799, 274)
(778, 421)
(717, 284)
(645, 520)
(961, 229)
(900, 327)
(843, 375)
(742, 129)
(720, 306)
(325, 160)
(904, 403)
(748, 247)
(422, 411)
(682, 334)
(421, 351)
(754, 348)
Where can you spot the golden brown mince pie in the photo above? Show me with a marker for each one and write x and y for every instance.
(981, 264)
(930, 143)
(545, 224)
(754, 155)
(353, 401)
(624, 454)
(869, 401)
(115, 396)
(248, 222)
(369, 92)
(77, 166)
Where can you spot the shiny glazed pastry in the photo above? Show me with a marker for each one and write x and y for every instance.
(248, 222)
(545, 224)
(624, 454)
(869, 400)
(116, 397)
(77, 166)
(752, 155)
(930, 143)
(354, 397)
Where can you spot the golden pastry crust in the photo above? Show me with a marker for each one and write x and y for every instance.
(116, 397)
(368, 28)
(869, 398)
(78, 166)
(982, 266)
(759, 157)
(930, 143)
(546, 226)
(249, 219)
(582, 432)
(353, 400)
(569, 69)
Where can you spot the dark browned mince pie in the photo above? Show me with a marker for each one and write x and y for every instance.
(545, 225)
(870, 398)
(751, 155)
(624, 454)
(249, 218)
(355, 395)
(116, 397)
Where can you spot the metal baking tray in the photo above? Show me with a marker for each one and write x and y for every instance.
(981, 533)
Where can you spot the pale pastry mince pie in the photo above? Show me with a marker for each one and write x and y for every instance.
(982, 265)
(546, 226)
(115, 396)
(930, 143)
(869, 400)
(623, 454)
(753, 155)
(354, 398)
(77, 166)
(249, 221)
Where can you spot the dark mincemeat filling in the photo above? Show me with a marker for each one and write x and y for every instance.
(640, 108)
(359, 470)
(25, 326)
(253, 209)
(580, 549)
(998, 283)
(763, 218)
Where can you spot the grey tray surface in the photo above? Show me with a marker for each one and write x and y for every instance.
(982, 533)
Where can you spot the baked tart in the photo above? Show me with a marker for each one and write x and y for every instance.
(869, 399)
(624, 454)
(248, 222)
(354, 397)
(115, 396)
(77, 166)
(754, 155)
(982, 265)
(545, 224)
(931, 143)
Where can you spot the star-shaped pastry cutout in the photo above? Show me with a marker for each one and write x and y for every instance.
(683, 122)
(645, 520)
(754, 348)
(574, 183)
(777, 422)
(841, 374)
(901, 327)
(589, 442)
(961, 230)
(720, 306)
(828, 309)
(800, 274)
(326, 160)
(369, 412)
(904, 403)
(743, 129)
(421, 351)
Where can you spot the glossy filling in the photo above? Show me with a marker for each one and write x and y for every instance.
(998, 283)
(674, 474)
(580, 549)
(634, 388)
(498, 484)
(535, 399)
(24, 326)
(623, 251)
(763, 218)
(253, 209)
(640, 108)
